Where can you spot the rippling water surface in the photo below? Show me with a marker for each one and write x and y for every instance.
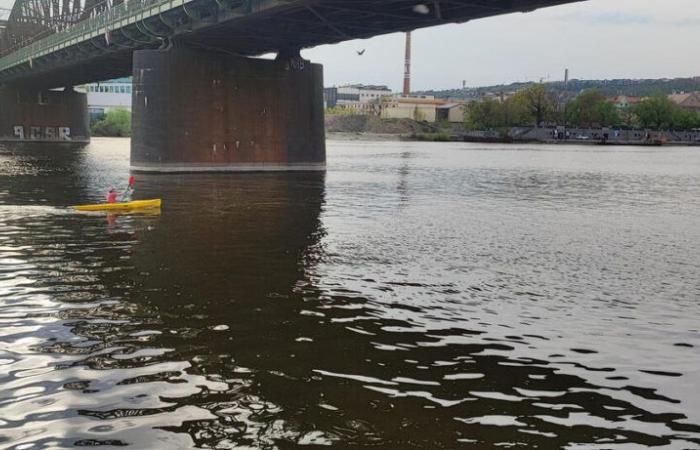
(435, 296)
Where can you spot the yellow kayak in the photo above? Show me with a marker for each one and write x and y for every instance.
(136, 204)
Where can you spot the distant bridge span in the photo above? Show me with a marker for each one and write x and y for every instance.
(198, 102)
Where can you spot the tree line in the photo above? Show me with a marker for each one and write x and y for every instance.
(115, 123)
(633, 88)
(537, 106)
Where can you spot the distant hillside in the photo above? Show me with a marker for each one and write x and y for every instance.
(635, 88)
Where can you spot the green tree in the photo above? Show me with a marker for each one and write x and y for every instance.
(686, 119)
(591, 109)
(516, 113)
(627, 116)
(539, 103)
(658, 112)
(490, 114)
(485, 115)
(609, 115)
(340, 111)
(116, 123)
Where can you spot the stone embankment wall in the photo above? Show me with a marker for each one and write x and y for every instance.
(609, 135)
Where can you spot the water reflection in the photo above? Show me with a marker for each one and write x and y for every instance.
(154, 317)
(59, 168)
(392, 303)
(403, 172)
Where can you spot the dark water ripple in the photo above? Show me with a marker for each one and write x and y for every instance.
(415, 296)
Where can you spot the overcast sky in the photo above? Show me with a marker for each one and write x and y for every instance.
(596, 39)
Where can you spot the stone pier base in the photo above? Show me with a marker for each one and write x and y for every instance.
(34, 115)
(202, 111)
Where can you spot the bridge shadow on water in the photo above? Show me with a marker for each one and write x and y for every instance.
(210, 324)
(42, 174)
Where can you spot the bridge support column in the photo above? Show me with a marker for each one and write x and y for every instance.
(35, 115)
(202, 111)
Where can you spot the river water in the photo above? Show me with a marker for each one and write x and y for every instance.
(428, 296)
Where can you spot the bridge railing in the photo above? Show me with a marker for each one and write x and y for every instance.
(101, 23)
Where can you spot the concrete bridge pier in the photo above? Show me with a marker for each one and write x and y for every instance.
(30, 114)
(197, 110)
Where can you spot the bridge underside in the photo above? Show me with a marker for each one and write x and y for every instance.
(248, 27)
(313, 23)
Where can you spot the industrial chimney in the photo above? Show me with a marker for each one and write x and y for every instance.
(407, 68)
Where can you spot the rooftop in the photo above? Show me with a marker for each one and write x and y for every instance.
(688, 100)
(418, 101)
(367, 87)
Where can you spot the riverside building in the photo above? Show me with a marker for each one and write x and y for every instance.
(105, 96)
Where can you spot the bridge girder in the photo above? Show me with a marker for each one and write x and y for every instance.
(33, 19)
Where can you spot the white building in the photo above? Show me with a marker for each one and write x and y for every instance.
(363, 98)
(422, 109)
(107, 95)
(451, 112)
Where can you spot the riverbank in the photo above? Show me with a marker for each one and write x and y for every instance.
(345, 136)
(359, 127)
(338, 123)
(373, 128)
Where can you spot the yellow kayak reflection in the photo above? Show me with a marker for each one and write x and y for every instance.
(122, 206)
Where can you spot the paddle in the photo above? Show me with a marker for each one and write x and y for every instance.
(129, 189)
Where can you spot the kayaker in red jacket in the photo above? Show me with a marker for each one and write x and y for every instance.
(112, 196)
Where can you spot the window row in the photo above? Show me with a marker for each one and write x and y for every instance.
(111, 89)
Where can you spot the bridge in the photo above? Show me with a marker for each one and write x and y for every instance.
(201, 100)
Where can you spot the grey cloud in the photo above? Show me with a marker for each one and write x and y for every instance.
(608, 18)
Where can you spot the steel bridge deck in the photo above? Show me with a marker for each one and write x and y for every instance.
(100, 47)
